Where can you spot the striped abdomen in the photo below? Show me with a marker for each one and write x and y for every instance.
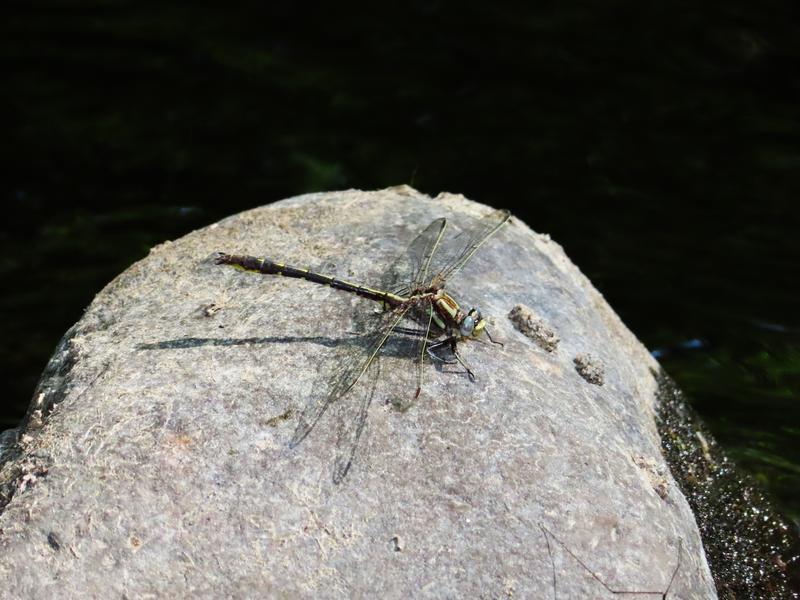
(267, 267)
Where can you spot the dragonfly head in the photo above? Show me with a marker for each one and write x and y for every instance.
(472, 324)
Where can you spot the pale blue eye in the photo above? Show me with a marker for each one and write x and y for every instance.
(467, 326)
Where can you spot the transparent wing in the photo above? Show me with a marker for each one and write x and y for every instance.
(453, 253)
(351, 415)
(351, 426)
(409, 345)
(353, 362)
(412, 267)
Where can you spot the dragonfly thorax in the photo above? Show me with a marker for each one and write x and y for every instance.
(449, 315)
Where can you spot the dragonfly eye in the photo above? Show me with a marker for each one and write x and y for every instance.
(467, 326)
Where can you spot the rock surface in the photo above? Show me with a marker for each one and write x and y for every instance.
(155, 459)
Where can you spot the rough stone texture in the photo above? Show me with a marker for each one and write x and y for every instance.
(155, 460)
(534, 327)
(589, 368)
(752, 549)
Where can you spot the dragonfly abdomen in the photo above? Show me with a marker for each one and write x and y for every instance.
(268, 267)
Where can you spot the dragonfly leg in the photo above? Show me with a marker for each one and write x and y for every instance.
(463, 364)
(438, 358)
(450, 343)
(486, 331)
(409, 331)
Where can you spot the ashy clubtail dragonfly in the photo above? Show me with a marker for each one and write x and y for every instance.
(411, 289)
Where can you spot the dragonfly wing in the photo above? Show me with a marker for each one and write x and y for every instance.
(352, 416)
(351, 426)
(413, 345)
(454, 252)
(352, 364)
(412, 267)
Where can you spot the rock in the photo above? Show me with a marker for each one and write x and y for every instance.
(158, 463)
(529, 324)
(752, 549)
(589, 368)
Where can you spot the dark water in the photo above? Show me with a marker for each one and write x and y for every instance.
(659, 144)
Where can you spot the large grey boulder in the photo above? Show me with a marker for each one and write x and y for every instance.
(155, 461)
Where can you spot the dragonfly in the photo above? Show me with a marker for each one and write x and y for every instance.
(411, 291)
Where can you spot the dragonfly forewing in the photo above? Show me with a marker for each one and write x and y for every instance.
(412, 266)
(456, 251)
